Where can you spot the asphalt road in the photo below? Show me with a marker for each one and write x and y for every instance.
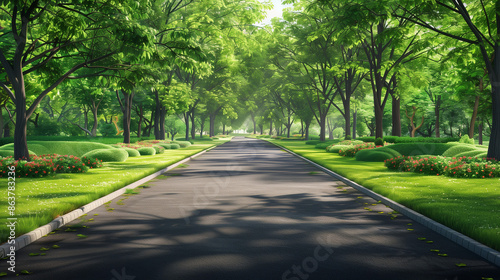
(247, 210)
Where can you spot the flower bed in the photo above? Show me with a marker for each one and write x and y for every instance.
(45, 165)
(351, 151)
(461, 167)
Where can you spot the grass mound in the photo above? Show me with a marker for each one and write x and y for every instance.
(182, 144)
(147, 151)
(406, 149)
(170, 146)
(337, 148)
(60, 147)
(132, 152)
(108, 155)
(460, 149)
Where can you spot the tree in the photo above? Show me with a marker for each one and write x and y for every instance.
(59, 39)
(480, 19)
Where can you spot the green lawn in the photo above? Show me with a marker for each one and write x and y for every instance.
(40, 200)
(470, 206)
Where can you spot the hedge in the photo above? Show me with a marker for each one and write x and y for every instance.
(336, 148)
(108, 155)
(147, 151)
(182, 144)
(132, 152)
(406, 139)
(406, 149)
(60, 147)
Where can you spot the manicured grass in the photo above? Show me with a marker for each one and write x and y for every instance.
(470, 206)
(38, 201)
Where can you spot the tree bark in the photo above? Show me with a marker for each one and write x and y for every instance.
(473, 118)
(396, 116)
(186, 121)
(437, 111)
(354, 123)
(322, 125)
(271, 127)
(139, 125)
(126, 107)
(193, 127)
(480, 128)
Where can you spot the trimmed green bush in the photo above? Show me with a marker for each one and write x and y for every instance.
(132, 152)
(366, 139)
(170, 146)
(406, 149)
(336, 148)
(146, 151)
(323, 145)
(158, 149)
(60, 147)
(108, 155)
(379, 142)
(373, 156)
(348, 137)
(458, 149)
(182, 144)
(466, 140)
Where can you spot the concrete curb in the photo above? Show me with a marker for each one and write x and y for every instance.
(30, 237)
(472, 245)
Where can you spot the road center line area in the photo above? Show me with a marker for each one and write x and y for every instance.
(247, 210)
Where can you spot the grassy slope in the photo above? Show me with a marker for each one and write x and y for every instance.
(60, 147)
(38, 201)
(470, 206)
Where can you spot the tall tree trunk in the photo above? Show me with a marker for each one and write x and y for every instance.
(480, 128)
(223, 129)
(212, 125)
(396, 116)
(139, 125)
(271, 127)
(473, 118)
(307, 130)
(193, 127)
(437, 110)
(347, 116)
(163, 113)
(157, 118)
(354, 123)
(126, 106)
(186, 121)
(379, 121)
(322, 125)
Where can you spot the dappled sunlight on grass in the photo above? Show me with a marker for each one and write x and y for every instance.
(471, 206)
(40, 200)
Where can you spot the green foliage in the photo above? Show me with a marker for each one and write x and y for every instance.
(352, 150)
(460, 148)
(405, 149)
(170, 146)
(462, 167)
(47, 127)
(7, 153)
(107, 129)
(466, 140)
(108, 155)
(366, 139)
(147, 151)
(45, 165)
(60, 147)
(337, 148)
(182, 144)
(323, 145)
(132, 152)
(348, 137)
(158, 149)
(379, 142)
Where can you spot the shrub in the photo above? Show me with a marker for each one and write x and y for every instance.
(108, 155)
(132, 152)
(348, 137)
(466, 140)
(107, 129)
(458, 149)
(350, 142)
(323, 145)
(406, 139)
(462, 167)
(158, 149)
(60, 147)
(352, 150)
(183, 144)
(374, 156)
(366, 139)
(7, 153)
(337, 148)
(147, 151)
(46, 165)
(313, 142)
(379, 142)
(170, 146)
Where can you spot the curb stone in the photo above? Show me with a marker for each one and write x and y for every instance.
(30, 237)
(468, 243)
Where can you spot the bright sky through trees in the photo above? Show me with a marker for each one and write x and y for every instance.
(277, 11)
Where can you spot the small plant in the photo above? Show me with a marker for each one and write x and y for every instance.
(466, 140)
(379, 142)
